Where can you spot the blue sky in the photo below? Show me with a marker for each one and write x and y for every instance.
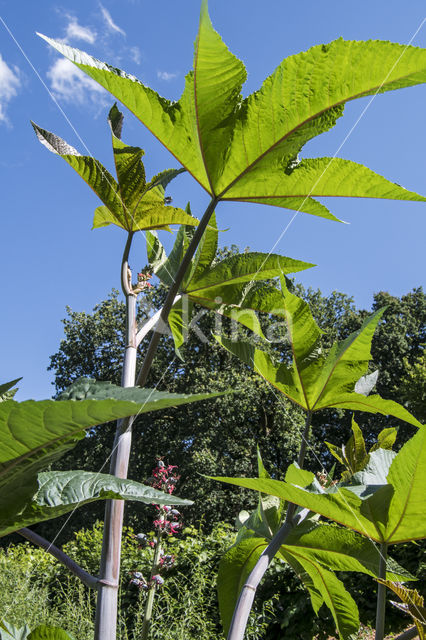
(50, 258)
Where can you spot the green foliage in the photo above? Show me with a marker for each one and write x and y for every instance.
(43, 632)
(413, 386)
(247, 149)
(229, 286)
(35, 434)
(353, 455)
(314, 551)
(255, 416)
(7, 391)
(316, 381)
(388, 513)
(412, 603)
(185, 608)
(129, 202)
(34, 587)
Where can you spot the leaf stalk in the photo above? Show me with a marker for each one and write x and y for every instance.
(87, 579)
(381, 594)
(152, 348)
(248, 592)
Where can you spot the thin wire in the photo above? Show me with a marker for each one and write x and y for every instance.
(277, 241)
(52, 96)
(101, 168)
(113, 450)
(345, 139)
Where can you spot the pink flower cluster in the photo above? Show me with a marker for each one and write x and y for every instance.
(167, 522)
(163, 477)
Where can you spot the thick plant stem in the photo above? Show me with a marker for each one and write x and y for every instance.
(150, 324)
(151, 594)
(152, 348)
(87, 579)
(381, 595)
(107, 602)
(248, 592)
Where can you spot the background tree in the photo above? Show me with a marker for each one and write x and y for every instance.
(221, 439)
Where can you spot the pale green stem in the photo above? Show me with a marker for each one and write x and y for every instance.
(381, 595)
(168, 303)
(107, 601)
(248, 592)
(86, 578)
(151, 594)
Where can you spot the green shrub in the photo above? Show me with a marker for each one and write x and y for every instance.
(35, 588)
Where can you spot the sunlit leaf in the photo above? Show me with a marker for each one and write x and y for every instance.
(128, 202)
(247, 148)
(34, 434)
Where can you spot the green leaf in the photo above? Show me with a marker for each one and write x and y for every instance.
(44, 632)
(385, 439)
(333, 593)
(163, 266)
(353, 454)
(300, 477)
(315, 381)
(246, 149)
(10, 632)
(130, 203)
(376, 469)
(407, 508)
(234, 567)
(389, 513)
(207, 249)
(340, 549)
(60, 492)
(342, 506)
(7, 386)
(231, 288)
(412, 603)
(245, 268)
(33, 434)
(150, 399)
(318, 177)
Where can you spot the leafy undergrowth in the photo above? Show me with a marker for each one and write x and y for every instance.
(35, 589)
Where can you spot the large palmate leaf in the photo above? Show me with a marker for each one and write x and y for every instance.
(33, 434)
(389, 513)
(230, 287)
(129, 202)
(313, 551)
(247, 149)
(60, 492)
(316, 381)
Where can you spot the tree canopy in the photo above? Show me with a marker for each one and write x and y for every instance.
(221, 438)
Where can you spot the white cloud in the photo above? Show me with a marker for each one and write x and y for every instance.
(110, 22)
(165, 75)
(72, 85)
(135, 54)
(75, 31)
(9, 85)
